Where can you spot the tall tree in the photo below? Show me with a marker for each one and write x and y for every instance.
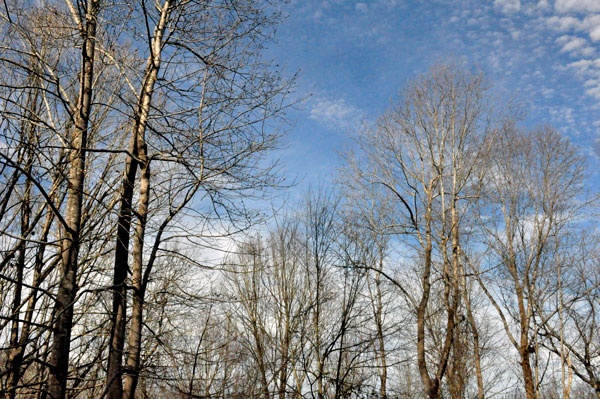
(420, 162)
(205, 141)
(67, 290)
(531, 200)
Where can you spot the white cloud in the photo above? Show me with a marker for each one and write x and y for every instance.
(548, 93)
(362, 7)
(571, 43)
(588, 70)
(590, 24)
(336, 112)
(595, 34)
(390, 4)
(593, 92)
(563, 24)
(583, 67)
(508, 6)
(564, 6)
(543, 4)
(592, 83)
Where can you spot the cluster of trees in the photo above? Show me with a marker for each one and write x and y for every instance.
(127, 128)
(457, 257)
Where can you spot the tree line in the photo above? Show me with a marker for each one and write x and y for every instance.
(455, 257)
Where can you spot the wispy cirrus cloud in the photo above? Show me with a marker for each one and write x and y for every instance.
(575, 45)
(335, 112)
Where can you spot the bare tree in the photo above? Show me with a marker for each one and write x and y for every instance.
(532, 190)
(569, 328)
(79, 82)
(420, 164)
(207, 140)
(48, 40)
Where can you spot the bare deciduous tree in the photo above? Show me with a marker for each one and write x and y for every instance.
(420, 163)
(534, 181)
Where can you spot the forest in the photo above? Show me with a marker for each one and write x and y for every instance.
(454, 255)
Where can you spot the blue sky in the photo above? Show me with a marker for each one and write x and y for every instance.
(354, 56)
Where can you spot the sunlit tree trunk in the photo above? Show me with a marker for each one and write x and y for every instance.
(67, 289)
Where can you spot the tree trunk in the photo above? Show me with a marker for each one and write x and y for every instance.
(119, 307)
(114, 384)
(530, 390)
(381, 337)
(431, 385)
(476, 352)
(67, 290)
(137, 311)
(15, 356)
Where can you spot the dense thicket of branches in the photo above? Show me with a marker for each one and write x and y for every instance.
(456, 258)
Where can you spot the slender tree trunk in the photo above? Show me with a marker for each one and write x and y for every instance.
(15, 356)
(476, 351)
(119, 310)
(524, 346)
(283, 376)
(431, 385)
(114, 384)
(67, 290)
(458, 290)
(285, 352)
(317, 324)
(524, 349)
(137, 311)
(381, 337)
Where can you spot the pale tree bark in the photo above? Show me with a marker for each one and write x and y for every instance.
(574, 336)
(67, 290)
(420, 162)
(137, 154)
(532, 202)
(214, 144)
(249, 293)
(476, 346)
(376, 298)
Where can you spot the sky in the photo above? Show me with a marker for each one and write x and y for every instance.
(353, 57)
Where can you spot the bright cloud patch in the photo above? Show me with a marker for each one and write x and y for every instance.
(563, 24)
(570, 43)
(362, 7)
(589, 71)
(543, 4)
(577, 5)
(584, 66)
(593, 92)
(507, 6)
(589, 25)
(575, 45)
(335, 112)
(595, 34)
